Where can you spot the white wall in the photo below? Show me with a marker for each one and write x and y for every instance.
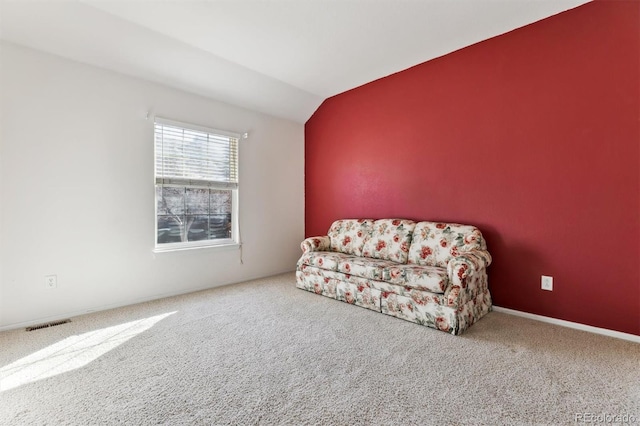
(77, 193)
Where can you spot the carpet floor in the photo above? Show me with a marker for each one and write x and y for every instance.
(264, 352)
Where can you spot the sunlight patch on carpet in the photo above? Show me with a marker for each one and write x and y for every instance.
(72, 353)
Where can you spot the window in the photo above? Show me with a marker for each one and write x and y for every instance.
(196, 178)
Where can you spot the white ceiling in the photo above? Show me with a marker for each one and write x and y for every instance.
(281, 57)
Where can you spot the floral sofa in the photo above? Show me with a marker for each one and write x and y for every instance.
(434, 274)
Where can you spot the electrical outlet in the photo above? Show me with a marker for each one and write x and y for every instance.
(546, 283)
(51, 281)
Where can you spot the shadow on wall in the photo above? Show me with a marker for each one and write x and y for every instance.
(506, 280)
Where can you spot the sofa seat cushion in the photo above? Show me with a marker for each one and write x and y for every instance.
(389, 240)
(324, 259)
(348, 235)
(372, 269)
(429, 278)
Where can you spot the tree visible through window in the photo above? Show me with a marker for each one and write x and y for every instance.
(196, 185)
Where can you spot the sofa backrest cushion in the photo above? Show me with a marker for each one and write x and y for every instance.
(389, 240)
(434, 244)
(348, 235)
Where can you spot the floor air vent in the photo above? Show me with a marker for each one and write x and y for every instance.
(48, 324)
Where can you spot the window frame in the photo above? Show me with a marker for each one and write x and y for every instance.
(219, 243)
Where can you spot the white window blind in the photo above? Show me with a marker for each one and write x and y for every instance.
(186, 155)
(196, 180)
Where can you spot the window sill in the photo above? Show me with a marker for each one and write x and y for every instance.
(215, 247)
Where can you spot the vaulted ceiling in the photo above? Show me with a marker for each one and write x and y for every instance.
(281, 57)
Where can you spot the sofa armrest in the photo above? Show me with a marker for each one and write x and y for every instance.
(467, 276)
(467, 263)
(322, 243)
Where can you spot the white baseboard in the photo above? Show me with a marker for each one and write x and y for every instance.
(569, 324)
(72, 314)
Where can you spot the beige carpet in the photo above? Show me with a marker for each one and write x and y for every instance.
(264, 352)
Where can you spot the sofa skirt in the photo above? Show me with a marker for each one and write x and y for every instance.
(421, 307)
(324, 282)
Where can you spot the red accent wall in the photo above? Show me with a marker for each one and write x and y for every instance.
(533, 136)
